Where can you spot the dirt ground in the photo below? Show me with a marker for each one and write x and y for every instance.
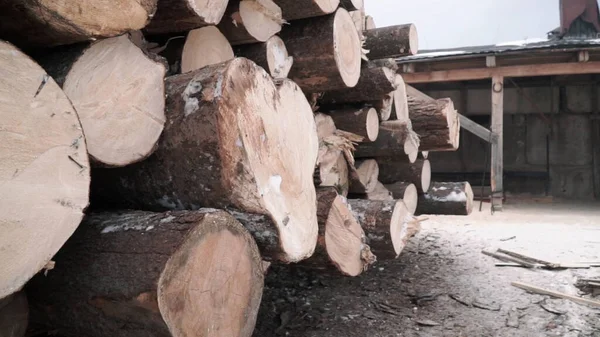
(443, 286)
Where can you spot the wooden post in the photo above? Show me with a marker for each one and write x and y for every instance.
(497, 126)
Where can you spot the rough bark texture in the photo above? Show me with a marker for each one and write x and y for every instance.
(430, 115)
(374, 84)
(152, 274)
(407, 192)
(447, 139)
(387, 63)
(294, 9)
(387, 224)
(271, 55)
(174, 16)
(418, 173)
(325, 58)
(392, 41)
(14, 315)
(48, 23)
(363, 176)
(362, 122)
(447, 199)
(251, 21)
(395, 138)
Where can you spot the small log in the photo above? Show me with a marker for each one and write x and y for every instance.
(370, 23)
(407, 192)
(325, 125)
(418, 173)
(49, 23)
(174, 16)
(387, 224)
(363, 178)
(352, 5)
(14, 315)
(294, 9)
(374, 84)
(395, 138)
(271, 55)
(203, 47)
(202, 161)
(251, 21)
(442, 139)
(326, 52)
(166, 274)
(430, 115)
(363, 122)
(392, 41)
(447, 199)
(332, 167)
(384, 107)
(118, 91)
(401, 109)
(380, 192)
(44, 169)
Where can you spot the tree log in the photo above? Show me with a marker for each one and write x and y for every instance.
(363, 122)
(445, 139)
(271, 55)
(387, 224)
(332, 167)
(407, 192)
(326, 52)
(251, 21)
(232, 139)
(14, 315)
(418, 173)
(325, 125)
(358, 16)
(384, 107)
(203, 47)
(118, 92)
(447, 199)
(48, 23)
(173, 16)
(374, 84)
(363, 178)
(44, 169)
(380, 192)
(395, 138)
(388, 63)
(294, 9)
(392, 41)
(370, 23)
(430, 115)
(401, 111)
(138, 273)
(352, 5)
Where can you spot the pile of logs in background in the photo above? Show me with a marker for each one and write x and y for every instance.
(157, 156)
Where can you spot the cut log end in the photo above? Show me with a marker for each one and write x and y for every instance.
(174, 16)
(384, 107)
(203, 47)
(347, 48)
(295, 10)
(426, 176)
(278, 60)
(14, 315)
(352, 5)
(401, 227)
(413, 39)
(250, 21)
(363, 179)
(401, 111)
(362, 122)
(407, 192)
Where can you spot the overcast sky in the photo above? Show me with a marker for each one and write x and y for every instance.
(458, 23)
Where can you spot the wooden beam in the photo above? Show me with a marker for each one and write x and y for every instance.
(490, 61)
(497, 146)
(509, 71)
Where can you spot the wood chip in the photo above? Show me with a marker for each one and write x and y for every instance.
(542, 291)
(427, 322)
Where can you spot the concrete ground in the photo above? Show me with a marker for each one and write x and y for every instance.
(443, 286)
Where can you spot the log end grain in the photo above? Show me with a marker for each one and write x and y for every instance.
(174, 16)
(407, 192)
(347, 55)
(203, 47)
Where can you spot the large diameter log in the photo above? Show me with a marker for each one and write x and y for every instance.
(174, 16)
(203, 47)
(392, 170)
(447, 139)
(395, 138)
(232, 138)
(362, 122)
(363, 176)
(430, 115)
(271, 55)
(294, 9)
(48, 23)
(44, 169)
(392, 41)
(118, 92)
(326, 51)
(447, 199)
(407, 192)
(165, 274)
(387, 224)
(14, 315)
(374, 84)
(251, 21)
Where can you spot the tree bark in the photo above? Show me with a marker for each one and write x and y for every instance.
(326, 52)
(384, 107)
(174, 16)
(251, 21)
(49, 23)
(395, 138)
(14, 315)
(232, 139)
(387, 63)
(363, 176)
(447, 199)
(362, 122)
(44, 169)
(392, 41)
(407, 192)
(271, 55)
(418, 173)
(135, 273)
(387, 224)
(294, 9)
(374, 84)
(430, 115)
(203, 47)
(447, 139)
(118, 91)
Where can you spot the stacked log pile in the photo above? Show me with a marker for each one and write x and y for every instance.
(207, 137)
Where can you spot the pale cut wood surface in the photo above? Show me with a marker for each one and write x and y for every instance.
(203, 47)
(175, 16)
(251, 21)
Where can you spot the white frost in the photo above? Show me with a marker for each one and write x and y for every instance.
(167, 219)
(521, 42)
(191, 103)
(442, 53)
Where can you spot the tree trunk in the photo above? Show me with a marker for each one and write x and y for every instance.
(442, 139)
(44, 169)
(271, 55)
(395, 138)
(363, 178)
(174, 16)
(352, 5)
(48, 23)
(430, 115)
(370, 23)
(135, 273)
(232, 139)
(387, 224)
(294, 9)
(203, 47)
(387, 63)
(392, 41)
(362, 122)
(332, 168)
(14, 315)
(374, 84)
(251, 21)
(326, 52)
(407, 192)
(118, 92)
(418, 173)
(447, 199)
(358, 16)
